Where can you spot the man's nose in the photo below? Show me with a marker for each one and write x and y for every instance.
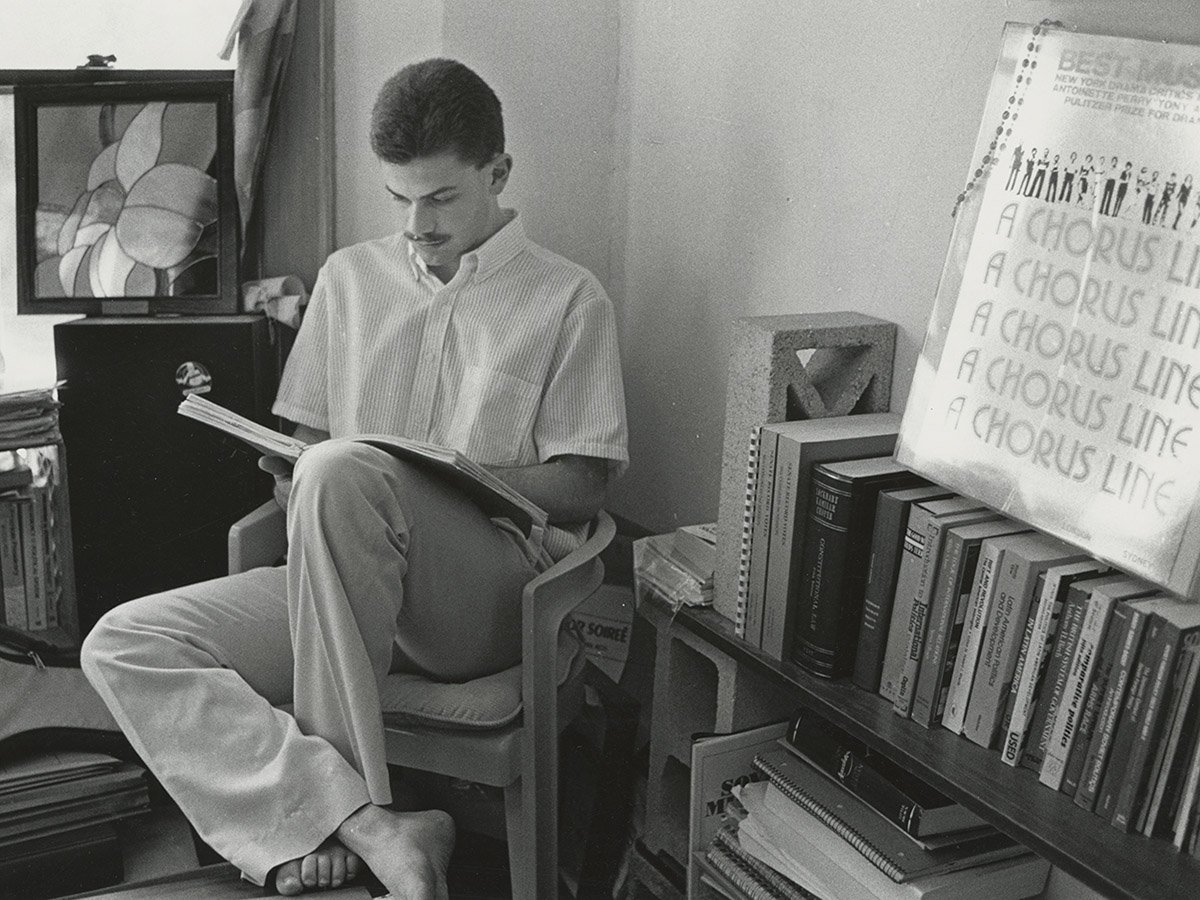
(420, 219)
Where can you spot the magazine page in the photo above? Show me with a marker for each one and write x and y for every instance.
(1059, 381)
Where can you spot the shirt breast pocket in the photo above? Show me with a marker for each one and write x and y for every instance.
(493, 416)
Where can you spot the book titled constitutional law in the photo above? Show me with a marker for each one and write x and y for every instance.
(492, 495)
(1059, 378)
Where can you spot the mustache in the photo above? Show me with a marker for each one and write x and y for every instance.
(425, 238)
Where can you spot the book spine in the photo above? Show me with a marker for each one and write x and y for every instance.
(50, 550)
(1129, 722)
(943, 609)
(1178, 720)
(32, 548)
(760, 546)
(831, 820)
(1162, 654)
(911, 559)
(1130, 627)
(743, 574)
(1026, 667)
(917, 625)
(1105, 663)
(962, 602)
(851, 766)
(993, 675)
(982, 593)
(886, 542)
(1053, 681)
(779, 605)
(823, 584)
(12, 569)
(1189, 799)
(1065, 727)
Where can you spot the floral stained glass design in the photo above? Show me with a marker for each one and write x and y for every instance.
(126, 200)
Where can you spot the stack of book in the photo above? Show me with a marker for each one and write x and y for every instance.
(29, 571)
(57, 817)
(694, 550)
(821, 816)
(29, 418)
(809, 502)
(1028, 646)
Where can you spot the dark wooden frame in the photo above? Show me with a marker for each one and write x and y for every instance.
(83, 87)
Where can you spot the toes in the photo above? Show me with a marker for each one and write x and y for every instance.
(308, 870)
(287, 879)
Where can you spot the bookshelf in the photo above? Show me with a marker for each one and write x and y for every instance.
(1115, 864)
(49, 460)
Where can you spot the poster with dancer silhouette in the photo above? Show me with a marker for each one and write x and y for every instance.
(1059, 380)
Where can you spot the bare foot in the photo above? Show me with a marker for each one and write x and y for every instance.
(408, 851)
(329, 866)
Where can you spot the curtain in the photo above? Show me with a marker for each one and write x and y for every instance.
(264, 32)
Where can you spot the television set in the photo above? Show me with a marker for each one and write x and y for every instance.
(125, 193)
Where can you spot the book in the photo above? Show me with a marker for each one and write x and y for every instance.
(894, 793)
(750, 875)
(1189, 800)
(802, 847)
(1166, 776)
(1047, 407)
(1170, 628)
(487, 490)
(743, 564)
(1127, 630)
(695, 547)
(1025, 557)
(947, 613)
(841, 519)
(760, 537)
(912, 609)
(801, 445)
(983, 590)
(893, 852)
(12, 565)
(1036, 646)
(1063, 731)
(912, 559)
(887, 540)
(1055, 677)
(33, 562)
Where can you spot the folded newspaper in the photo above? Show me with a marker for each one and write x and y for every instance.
(492, 494)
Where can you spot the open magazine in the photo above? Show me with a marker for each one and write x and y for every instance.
(492, 495)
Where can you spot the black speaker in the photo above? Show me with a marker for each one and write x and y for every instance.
(153, 493)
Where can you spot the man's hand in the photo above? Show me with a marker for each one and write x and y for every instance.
(569, 488)
(282, 470)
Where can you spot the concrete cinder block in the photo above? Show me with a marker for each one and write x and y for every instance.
(782, 368)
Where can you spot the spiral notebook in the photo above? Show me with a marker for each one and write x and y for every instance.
(755, 879)
(888, 848)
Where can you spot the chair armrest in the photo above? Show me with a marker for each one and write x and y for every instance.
(258, 538)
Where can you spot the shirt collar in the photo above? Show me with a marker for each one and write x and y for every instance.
(484, 259)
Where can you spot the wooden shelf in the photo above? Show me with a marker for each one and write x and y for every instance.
(1048, 822)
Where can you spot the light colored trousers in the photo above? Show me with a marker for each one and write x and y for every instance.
(387, 569)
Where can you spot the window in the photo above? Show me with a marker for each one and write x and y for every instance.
(60, 34)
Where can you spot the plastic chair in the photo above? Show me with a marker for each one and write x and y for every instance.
(520, 756)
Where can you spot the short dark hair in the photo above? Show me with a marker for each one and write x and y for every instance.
(433, 106)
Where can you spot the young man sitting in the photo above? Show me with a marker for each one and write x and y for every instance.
(456, 330)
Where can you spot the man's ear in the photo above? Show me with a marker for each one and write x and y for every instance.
(498, 171)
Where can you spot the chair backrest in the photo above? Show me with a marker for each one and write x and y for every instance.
(548, 599)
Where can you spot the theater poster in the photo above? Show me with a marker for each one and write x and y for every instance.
(1059, 380)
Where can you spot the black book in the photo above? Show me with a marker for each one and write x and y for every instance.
(887, 539)
(1163, 645)
(891, 791)
(837, 541)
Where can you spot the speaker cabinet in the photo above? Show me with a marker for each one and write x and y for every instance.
(153, 493)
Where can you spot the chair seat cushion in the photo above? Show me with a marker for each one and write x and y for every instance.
(491, 701)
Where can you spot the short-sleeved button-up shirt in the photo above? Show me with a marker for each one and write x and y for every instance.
(513, 362)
